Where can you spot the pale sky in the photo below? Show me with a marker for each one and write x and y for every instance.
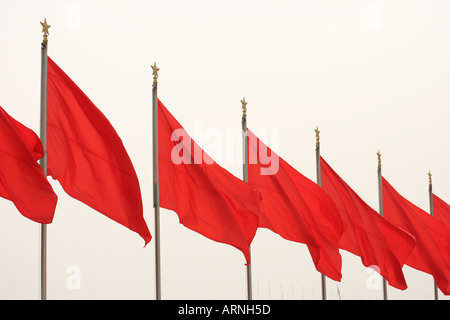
(372, 75)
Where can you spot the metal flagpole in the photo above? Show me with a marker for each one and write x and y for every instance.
(380, 204)
(319, 182)
(430, 194)
(43, 160)
(156, 180)
(245, 178)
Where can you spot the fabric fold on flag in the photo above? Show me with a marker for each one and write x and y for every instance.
(432, 251)
(87, 156)
(22, 179)
(30, 138)
(380, 244)
(441, 210)
(207, 199)
(296, 208)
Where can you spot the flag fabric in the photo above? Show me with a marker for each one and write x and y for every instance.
(21, 178)
(296, 208)
(87, 156)
(441, 210)
(207, 198)
(432, 251)
(29, 137)
(379, 243)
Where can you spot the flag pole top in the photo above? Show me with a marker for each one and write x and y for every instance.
(155, 73)
(379, 159)
(244, 108)
(317, 135)
(429, 178)
(45, 27)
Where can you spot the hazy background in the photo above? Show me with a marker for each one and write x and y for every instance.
(373, 75)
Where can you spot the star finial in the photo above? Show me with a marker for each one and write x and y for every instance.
(244, 108)
(45, 27)
(317, 136)
(379, 159)
(155, 73)
(429, 178)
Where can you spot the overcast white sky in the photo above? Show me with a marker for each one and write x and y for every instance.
(373, 75)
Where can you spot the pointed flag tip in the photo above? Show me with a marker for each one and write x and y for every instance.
(45, 27)
(155, 73)
(244, 108)
(379, 158)
(317, 135)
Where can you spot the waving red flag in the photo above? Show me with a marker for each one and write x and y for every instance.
(87, 157)
(29, 137)
(441, 210)
(296, 208)
(207, 198)
(21, 178)
(368, 235)
(432, 251)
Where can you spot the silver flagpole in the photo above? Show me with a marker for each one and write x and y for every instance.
(43, 160)
(380, 204)
(319, 182)
(245, 178)
(156, 181)
(430, 194)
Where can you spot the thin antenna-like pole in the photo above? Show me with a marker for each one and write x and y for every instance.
(43, 160)
(319, 182)
(245, 178)
(156, 181)
(380, 205)
(430, 194)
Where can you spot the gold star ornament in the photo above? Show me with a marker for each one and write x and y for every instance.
(244, 108)
(45, 27)
(317, 135)
(379, 158)
(155, 73)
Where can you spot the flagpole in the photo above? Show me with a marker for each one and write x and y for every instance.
(245, 178)
(156, 180)
(380, 204)
(430, 194)
(43, 160)
(319, 182)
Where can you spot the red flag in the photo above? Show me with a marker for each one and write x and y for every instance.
(368, 235)
(432, 251)
(21, 178)
(296, 208)
(207, 198)
(87, 157)
(441, 210)
(29, 137)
